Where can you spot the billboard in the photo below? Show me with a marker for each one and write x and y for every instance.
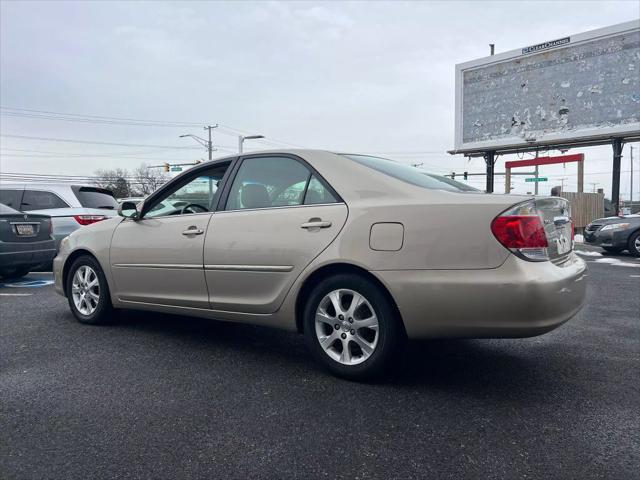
(573, 90)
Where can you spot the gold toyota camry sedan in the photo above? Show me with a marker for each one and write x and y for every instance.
(356, 252)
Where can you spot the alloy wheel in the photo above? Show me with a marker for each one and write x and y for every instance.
(346, 326)
(85, 290)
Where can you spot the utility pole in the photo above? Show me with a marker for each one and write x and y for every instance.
(209, 144)
(631, 194)
(205, 143)
(536, 182)
(615, 180)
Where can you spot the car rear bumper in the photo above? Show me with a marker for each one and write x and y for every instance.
(25, 255)
(517, 299)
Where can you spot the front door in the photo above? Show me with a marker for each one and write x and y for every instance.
(278, 216)
(158, 259)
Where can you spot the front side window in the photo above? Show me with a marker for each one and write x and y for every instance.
(40, 200)
(198, 195)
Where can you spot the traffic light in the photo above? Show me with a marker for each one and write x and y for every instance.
(166, 167)
(464, 175)
(453, 175)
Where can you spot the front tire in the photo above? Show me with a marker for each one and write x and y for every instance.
(88, 292)
(352, 327)
(634, 244)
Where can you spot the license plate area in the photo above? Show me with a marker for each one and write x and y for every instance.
(563, 244)
(25, 229)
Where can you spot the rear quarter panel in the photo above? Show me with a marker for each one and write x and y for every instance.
(446, 231)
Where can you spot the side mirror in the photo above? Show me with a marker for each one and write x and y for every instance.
(128, 210)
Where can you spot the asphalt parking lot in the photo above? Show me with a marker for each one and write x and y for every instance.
(159, 396)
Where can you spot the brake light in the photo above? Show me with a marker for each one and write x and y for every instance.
(521, 230)
(89, 219)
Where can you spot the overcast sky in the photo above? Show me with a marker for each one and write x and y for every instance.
(368, 76)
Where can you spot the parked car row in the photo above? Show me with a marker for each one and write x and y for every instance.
(26, 242)
(69, 206)
(35, 217)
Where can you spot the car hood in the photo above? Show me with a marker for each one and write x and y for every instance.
(633, 219)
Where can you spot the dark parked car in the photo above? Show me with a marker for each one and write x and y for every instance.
(25, 242)
(615, 234)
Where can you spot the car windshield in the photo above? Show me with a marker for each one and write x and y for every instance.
(91, 197)
(407, 173)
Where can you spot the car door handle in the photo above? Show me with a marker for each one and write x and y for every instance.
(193, 231)
(315, 224)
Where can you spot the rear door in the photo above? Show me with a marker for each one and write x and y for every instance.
(278, 215)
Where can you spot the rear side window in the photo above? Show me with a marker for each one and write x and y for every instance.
(11, 198)
(90, 197)
(406, 173)
(40, 200)
(318, 193)
(267, 182)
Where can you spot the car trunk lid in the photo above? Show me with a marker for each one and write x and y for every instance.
(24, 228)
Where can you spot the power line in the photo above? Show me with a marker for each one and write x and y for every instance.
(50, 115)
(108, 120)
(67, 140)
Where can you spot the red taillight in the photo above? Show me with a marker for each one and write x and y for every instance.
(520, 231)
(88, 219)
(50, 227)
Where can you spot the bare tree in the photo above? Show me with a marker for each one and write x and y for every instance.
(147, 180)
(116, 180)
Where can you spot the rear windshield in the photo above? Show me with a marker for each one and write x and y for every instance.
(90, 197)
(7, 210)
(407, 173)
(463, 187)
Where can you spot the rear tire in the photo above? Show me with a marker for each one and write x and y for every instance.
(368, 327)
(634, 244)
(612, 249)
(88, 292)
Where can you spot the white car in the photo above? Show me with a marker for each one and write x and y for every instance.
(69, 206)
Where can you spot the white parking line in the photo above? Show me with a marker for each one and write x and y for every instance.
(15, 294)
(634, 276)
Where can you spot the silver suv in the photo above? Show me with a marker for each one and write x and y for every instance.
(69, 206)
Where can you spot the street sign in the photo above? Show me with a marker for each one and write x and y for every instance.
(539, 179)
(176, 169)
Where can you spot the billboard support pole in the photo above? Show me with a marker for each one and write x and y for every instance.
(489, 158)
(615, 180)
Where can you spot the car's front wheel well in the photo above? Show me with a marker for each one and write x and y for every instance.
(67, 265)
(328, 271)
